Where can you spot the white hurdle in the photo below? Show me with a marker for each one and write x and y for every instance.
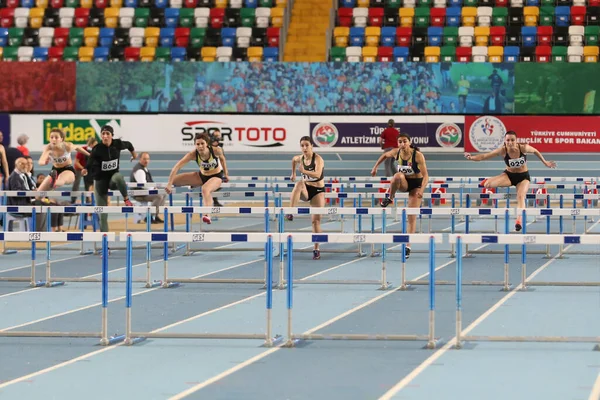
(523, 240)
(35, 237)
(432, 342)
(132, 337)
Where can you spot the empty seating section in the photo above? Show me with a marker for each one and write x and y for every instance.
(141, 30)
(467, 30)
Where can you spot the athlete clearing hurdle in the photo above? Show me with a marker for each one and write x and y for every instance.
(516, 174)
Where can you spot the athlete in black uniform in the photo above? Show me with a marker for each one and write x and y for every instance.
(312, 186)
(104, 166)
(517, 173)
(213, 170)
(411, 177)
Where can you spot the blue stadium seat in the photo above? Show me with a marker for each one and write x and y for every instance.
(27, 3)
(167, 35)
(357, 36)
(161, 3)
(271, 54)
(529, 35)
(401, 54)
(228, 37)
(435, 34)
(3, 37)
(130, 3)
(511, 54)
(172, 17)
(101, 54)
(348, 3)
(106, 37)
(250, 3)
(453, 16)
(40, 54)
(388, 36)
(562, 15)
(178, 54)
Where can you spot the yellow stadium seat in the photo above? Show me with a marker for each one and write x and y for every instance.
(432, 54)
(281, 3)
(590, 53)
(41, 3)
(372, 34)
(221, 3)
(208, 59)
(208, 52)
(90, 36)
(1, 52)
(255, 52)
(87, 3)
(469, 15)
(116, 3)
(36, 17)
(482, 35)
(152, 34)
(340, 34)
(147, 54)
(277, 17)
(532, 15)
(111, 17)
(495, 54)
(86, 54)
(407, 16)
(369, 53)
(363, 3)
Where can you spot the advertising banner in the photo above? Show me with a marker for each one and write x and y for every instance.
(171, 133)
(547, 134)
(361, 134)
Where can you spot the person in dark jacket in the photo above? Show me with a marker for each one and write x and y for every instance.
(103, 164)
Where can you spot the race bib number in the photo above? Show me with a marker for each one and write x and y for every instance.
(516, 162)
(406, 170)
(110, 165)
(360, 238)
(198, 237)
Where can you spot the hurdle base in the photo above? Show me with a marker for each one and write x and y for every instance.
(473, 252)
(180, 281)
(533, 339)
(86, 253)
(174, 335)
(170, 285)
(133, 341)
(562, 283)
(453, 283)
(525, 289)
(9, 252)
(112, 340)
(464, 346)
(37, 284)
(55, 283)
(376, 254)
(358, 336)
(386, 286)
(291, 343)
(361, 254)
(273, 342)
(433, 344)
(335, 282)
(407, 287)
(597, 347)
(153, 284)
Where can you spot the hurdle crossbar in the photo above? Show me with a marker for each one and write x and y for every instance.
(132, 337)
(35, 237)
(432, 342)
(460, 337)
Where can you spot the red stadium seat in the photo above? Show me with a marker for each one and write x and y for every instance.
(385, 54)
(132, 54)
(375, 16)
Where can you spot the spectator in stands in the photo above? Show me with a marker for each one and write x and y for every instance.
(39, 179)
(18, 181)
(388, 141)
(141, 174)
(22, 144)
(29, 174)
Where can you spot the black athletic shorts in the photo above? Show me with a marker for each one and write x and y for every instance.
(517, 177)
(313, 191)
(414, 183)
(205, 178)
(63, 169)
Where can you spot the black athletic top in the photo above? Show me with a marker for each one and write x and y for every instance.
(311, 167)
(408, 167)
(105, 159)
(515, 162)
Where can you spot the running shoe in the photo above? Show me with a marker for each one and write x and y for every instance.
(316, 254)
(386, 202)
(206, 219)
(128, 203)
(407, 252)
(289, 217)
(518, 225)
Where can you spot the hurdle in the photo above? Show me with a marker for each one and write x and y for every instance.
(132, 337)
(432, 342)
(523, 240)
(35, 237)
(205, 237)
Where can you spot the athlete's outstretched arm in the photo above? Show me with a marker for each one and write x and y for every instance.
(484, 156)
(45, 157)
(184, 160)
(388, 154)
(531, 149)
(70, 147)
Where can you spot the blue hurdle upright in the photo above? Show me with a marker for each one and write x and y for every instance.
(35, 237)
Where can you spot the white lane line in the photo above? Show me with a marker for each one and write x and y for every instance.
(595, 395)
(40, 263)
